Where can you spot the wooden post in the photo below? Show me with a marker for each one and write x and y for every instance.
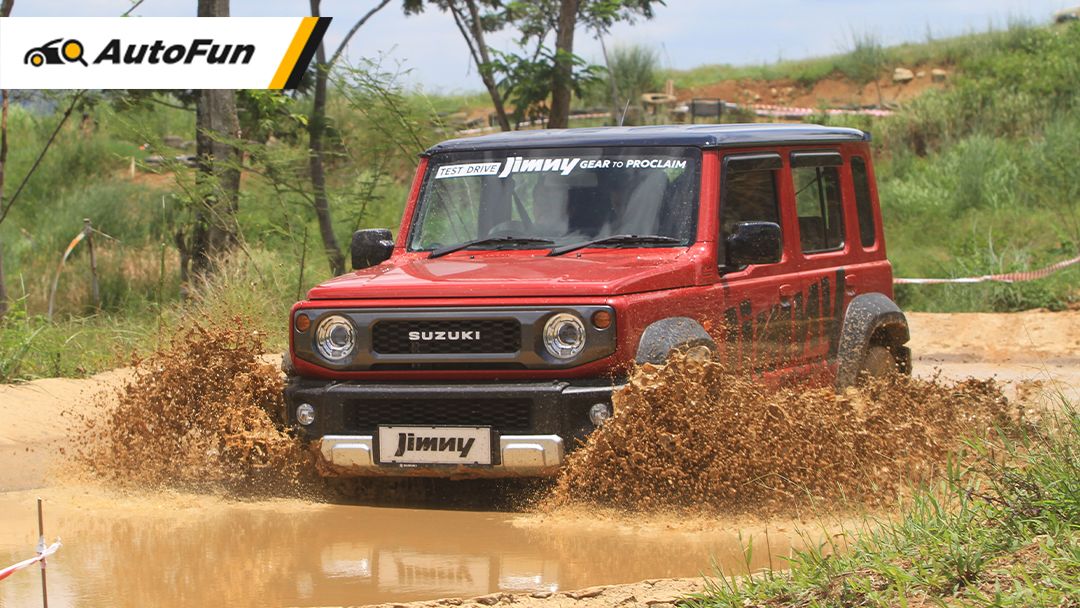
(41, 548)
(88, 229)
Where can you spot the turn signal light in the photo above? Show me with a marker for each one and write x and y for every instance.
(303, 322)
(601, 319)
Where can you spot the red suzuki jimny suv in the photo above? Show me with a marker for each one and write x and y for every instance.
(534, 269)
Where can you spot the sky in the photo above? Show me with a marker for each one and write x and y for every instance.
(687, 33)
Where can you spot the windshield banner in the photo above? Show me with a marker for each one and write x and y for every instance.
(562, 166)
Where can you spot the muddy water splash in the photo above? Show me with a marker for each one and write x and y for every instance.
(691, 435)
(203, 410)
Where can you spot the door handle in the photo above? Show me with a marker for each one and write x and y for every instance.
(787, 291)
(850, 285)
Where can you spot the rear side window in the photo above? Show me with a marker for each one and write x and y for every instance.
(863, 204)
(749, 193)
(817, 199)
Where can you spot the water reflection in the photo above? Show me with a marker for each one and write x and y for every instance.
(297, 554)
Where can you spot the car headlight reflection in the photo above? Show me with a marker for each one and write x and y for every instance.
(335, 338)
(564, 336)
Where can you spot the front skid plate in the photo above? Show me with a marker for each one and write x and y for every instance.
(522, 456)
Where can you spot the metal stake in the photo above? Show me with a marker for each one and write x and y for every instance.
(89, 230)
(41, 549)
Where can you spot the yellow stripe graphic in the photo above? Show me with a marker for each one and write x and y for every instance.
(293, 53)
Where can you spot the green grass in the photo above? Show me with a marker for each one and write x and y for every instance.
(946, 52)
(980, 178)
(259, 285)
(1003, 531)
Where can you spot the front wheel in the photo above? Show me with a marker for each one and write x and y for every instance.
(878, 363)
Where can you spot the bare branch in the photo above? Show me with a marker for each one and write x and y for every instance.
(56, 131)
(133, 7)
(356, 26)
(459, 21)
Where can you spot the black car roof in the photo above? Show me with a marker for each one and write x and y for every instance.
(702, 136)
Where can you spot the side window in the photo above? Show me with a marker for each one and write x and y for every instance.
(749, 192)
(817, 201)
(863, 203)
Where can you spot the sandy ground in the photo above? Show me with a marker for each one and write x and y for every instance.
(1032, 351)
(662, 593)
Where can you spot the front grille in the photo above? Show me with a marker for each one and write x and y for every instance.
(397, 367)
(507, 415)
(492, 336)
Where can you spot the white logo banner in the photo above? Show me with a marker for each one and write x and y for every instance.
(157, 52)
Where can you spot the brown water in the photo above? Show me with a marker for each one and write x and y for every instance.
(185, 550)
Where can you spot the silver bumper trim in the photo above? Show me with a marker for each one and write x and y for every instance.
(521, 456)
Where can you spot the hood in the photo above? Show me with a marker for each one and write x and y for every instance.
(515, 274)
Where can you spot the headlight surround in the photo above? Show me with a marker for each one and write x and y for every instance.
(564, 336)
(335, 338)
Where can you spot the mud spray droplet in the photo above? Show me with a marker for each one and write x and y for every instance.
(204, 411)
(690, 435)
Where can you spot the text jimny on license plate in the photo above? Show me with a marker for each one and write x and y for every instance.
(434, 445)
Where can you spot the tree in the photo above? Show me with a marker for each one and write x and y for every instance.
(564, 66)
(472, 23)
(218, 177)
(537, 19)
(526, 81)
(316, 135)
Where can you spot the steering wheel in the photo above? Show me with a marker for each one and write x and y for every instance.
(510, 228)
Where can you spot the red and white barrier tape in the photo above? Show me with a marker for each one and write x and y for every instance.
(762, 109)
(1009, 277)
(43, 552)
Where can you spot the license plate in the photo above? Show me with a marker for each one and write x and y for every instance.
(434, 445)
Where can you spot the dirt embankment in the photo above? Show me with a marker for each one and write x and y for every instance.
(835, 91)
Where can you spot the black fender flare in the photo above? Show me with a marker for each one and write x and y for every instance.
(868, 315)
(665, 336)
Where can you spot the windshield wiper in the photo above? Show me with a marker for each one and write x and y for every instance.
(618, 239)
(509, 240)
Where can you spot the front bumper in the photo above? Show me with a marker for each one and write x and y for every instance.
(535, 424)
(520, 456)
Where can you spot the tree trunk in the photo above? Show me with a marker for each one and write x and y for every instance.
(483, 63)
(316, 131)
(564, 66)
(5, 10)
(3, 165)
(218, 174)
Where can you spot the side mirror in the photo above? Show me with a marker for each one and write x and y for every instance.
(754, 243)
(371, 247)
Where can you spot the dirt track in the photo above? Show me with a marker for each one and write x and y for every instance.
(344, 554)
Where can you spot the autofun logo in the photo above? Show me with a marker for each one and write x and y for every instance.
(117, 53)
(55, 53)
(157, 52)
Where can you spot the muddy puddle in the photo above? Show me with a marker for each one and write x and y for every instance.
(185, 550)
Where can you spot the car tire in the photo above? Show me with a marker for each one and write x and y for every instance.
(878, 362)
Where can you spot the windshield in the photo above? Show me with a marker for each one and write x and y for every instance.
(557, 197)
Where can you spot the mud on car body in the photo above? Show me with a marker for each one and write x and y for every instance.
(533, 270)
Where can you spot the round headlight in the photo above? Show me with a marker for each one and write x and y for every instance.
(564, 336)
(335, 338)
